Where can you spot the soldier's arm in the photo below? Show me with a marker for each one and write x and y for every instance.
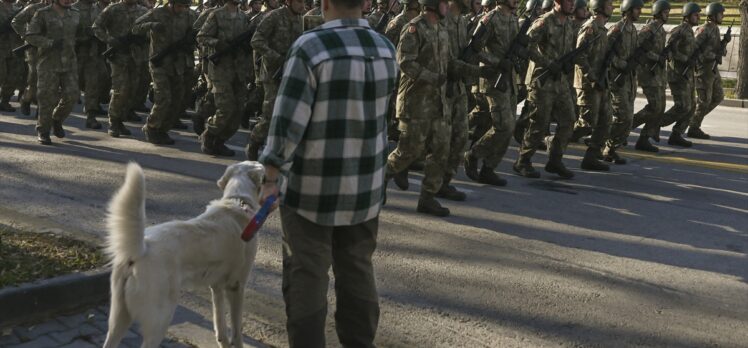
(677, 53)
(702, 37)
(391, 32)
(645, 36)
(407, 53)
(100, 26)
(35, 32)
(536, 35)
(582, 60)
(145, 23)
(20, 20)
(201, 19)
(487, 56)
(263, 35)
(208, 34)
(618, 61)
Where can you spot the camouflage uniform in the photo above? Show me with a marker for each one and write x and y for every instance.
(91, 65)
(392, 31)
(57, 85)
(549, 39)
(205, 102)
(422, 109)
(491, 147)
(593, 101)
(681, 88)
(11, 76)
(229, 77)
(653, 82)
(708, 82)
(20, 24)
(623, 92)
(112, 25)
(169, 77)
(317, 11)
(274, 36)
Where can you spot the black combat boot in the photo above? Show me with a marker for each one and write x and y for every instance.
(157, 137)
(643, 144)
(428, 205)
(524, 168)
(697, 133)
(222, 149)
(611, 155)
(450, 192)
(637, 121)
(676, 139)
(471, 166)
(488, 176)
(25, 108)
(43, 138)
(5, 105)
(57, 129)
(252, 150)
(91, 122)
(590, 161)
(118, 128)
(556, 166)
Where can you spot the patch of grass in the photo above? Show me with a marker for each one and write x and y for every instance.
(729, 83)
(28, 256)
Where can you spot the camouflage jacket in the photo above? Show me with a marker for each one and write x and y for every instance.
(175, 28)
(655, 77)
(274, 36)
(625, 46)
(86, 42)
(395, 26)
(45, 28)
(590, 63)
(22, 19)
(199, 22)
(8, 39)
(221, 27)
(501, 31)
(549, 39)
(115, 22)
(423, 54)
(708, 40)
(683, 46)
(317, 11)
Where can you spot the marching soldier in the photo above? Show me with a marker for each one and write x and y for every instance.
(623, 91)
(204, 89)
(502, 28)
(395, 26)
(590, 81)
(172, 40)
(683, 45)
(709, 91)
(316, 10)
(551, 36)
(652, 79)
(377, 14)
(90, 63)
(228, 77)
(423, 54)
(52, 31)
(113, 26)
(20, 25)
(581, 14)
(274, 36)
(10, 76)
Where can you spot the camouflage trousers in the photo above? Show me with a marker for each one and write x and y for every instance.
(683, 108)
(546, 103)
(29, 92)
(230, 95)
(91, 76)
(595, 115)
(12, 74)
(124, 86)
(622, 102)
(260, 131)
(459, 129)
(143, 84)
(168, 103)
(492, 146)
(57, 93)
(429, 136)
(709, 94)
(652, 113)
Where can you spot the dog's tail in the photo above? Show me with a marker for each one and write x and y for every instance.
(126, 219)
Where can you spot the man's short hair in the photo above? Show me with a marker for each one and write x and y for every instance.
(348, 4)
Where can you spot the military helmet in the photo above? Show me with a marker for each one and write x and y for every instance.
(531, 4)
(714, 8)
(598, 5)
(580, 4)
(659, 6)
(404, 2)
(181, 2)
(430, 3)
(485, 3)
(628, 5)
(691, 8)
(547, 4)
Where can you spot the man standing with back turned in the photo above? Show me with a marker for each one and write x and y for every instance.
(329, 125)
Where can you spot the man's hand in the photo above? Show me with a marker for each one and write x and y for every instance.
(270, 188)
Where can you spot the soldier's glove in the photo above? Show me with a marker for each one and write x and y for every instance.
(57, 44)
(156, 27)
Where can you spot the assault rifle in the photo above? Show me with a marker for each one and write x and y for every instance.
(665, 54)
(637, 55)
(186, 43)
(19, 51)
(723, 46)
(124, 42)
(235, 43)
(567, 58)
(379, 28)
(520, 41)
(472, 47)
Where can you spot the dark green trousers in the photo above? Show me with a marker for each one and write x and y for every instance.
(309, 250)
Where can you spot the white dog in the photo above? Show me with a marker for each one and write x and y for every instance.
(151, 265)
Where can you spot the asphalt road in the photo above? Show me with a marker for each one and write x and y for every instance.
(653, 253)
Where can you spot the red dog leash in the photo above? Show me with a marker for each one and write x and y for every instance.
(258, 219)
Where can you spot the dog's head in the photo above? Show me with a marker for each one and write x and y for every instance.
(242, 180)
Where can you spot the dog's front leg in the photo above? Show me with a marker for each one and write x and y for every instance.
(219, 317)
(235, 294)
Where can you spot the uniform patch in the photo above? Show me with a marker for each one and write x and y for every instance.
(412, 29)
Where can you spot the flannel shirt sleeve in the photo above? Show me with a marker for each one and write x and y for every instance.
(292, 110)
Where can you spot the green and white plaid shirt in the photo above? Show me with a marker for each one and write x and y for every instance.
(329, 122)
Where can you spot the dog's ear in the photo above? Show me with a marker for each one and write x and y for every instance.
(226, 176)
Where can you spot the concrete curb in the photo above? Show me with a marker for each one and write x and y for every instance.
(50, 297)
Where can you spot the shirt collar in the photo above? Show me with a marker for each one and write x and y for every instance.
(358, 22)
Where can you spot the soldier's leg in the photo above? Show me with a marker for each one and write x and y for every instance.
(595, 109)
(29, 94)
(651, 117)
(122, 88)
(687, 107)
(435, 167)
(622, 104)
(93, 83)
(260, 131)
(493, 145)
(70, 90)
(412, 143)
(160, 115)
(564, 112)
(6, 84)
(680, 113)
(703, 100)
(48, 95)
(179, 106)
(538, 117)
(225, 122)
(459, 133)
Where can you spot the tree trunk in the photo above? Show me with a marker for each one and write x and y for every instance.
(741, 89)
